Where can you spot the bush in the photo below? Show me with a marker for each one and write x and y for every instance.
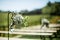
(58, 21)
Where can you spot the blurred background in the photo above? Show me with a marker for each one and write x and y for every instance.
(34, 9)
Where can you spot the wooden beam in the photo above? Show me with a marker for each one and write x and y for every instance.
(26, 33)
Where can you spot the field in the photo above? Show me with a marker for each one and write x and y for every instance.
(32, 19)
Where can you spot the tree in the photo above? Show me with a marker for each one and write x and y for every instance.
(49, 3)
(24, 12)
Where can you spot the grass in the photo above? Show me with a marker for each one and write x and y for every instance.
(30, 37)
(32, 19)
(37, 37)
(6, 35)
(3, 19)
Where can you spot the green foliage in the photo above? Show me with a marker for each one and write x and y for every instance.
(48, 10)
(58, 21)
(33, 19)
(51, 9)
(54, 19)
(49, 3)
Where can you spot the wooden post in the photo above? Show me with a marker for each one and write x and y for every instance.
(8, 23)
